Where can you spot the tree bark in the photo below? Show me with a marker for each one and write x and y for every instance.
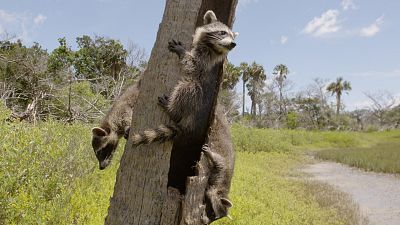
(140, 194)
(244, 97)
(338, 103)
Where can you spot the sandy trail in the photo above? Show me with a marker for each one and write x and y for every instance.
(378, 195)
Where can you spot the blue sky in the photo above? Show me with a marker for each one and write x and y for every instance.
(356, 39)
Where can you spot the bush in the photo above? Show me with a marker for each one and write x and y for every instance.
(39, 166)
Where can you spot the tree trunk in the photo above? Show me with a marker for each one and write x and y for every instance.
(140, 194)
(253, 107)
(244, 97)
(280, 100)
(337, 104)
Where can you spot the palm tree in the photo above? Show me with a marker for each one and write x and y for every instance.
(281, 71)
(244, 69)
(231, 75)
(337, 88)
(255, 85)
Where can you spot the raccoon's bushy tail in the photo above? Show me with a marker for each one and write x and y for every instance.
(161, 134)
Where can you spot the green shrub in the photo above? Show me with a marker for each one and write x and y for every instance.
(40, 165)
(291, 120)
(4, 112)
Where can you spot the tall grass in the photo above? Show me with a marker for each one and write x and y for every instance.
(382, 157)
(262, 194)
(270, 140)
(49, 175)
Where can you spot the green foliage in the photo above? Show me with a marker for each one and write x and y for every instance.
(36, 85)
(81, 96)
(99, 57)
(231, 76)
(381, 157)
(43, 171)
(262, 194)
(269, 140)
(4, 112)
(61, 58)
(291, 120)
(50, 176)
(337, 88)
(23, 72)
(255, 83)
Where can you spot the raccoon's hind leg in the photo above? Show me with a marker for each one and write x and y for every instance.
(176, 47)
(217, 167)
(163, 101)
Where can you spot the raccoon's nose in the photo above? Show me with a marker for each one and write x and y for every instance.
(103, 165)
(231, 45)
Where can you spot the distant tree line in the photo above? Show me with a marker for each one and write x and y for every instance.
(80, 84)
(66, 84)
(274, 105)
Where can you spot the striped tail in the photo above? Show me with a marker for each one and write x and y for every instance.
(161, 134)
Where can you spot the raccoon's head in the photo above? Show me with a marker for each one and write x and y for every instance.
(215, 35)
(217, 206)
(104, 143)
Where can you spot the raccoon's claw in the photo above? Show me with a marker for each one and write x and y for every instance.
(205, 148)
(176, 47)
(163, 101)
(126, 134)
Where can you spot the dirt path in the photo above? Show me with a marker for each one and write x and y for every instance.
(378, 195)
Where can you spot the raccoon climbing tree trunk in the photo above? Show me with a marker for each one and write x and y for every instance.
(140, 194)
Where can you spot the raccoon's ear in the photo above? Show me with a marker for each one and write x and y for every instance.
(210, 17)
(98, 131)
(226, 202)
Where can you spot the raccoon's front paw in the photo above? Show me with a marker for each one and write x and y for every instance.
(126, 134)
(176, 47)
(163, 101)
(206, 149)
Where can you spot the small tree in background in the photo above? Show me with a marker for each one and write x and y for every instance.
(255, 85)
(244, 69)
(337, 88)
(281, 71)
(227, 96)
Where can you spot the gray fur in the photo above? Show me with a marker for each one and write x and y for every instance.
(222, 158)
(186, 104)
(114, 125)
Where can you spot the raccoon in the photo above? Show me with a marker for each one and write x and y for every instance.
(221, 159)
(187, 105)
(114, 125)
(217, 203)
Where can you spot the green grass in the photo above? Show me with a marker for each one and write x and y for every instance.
(270, 140)
(49, 175)
(381, 157)
(263, 193)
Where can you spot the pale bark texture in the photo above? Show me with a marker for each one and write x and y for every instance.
(140, 194)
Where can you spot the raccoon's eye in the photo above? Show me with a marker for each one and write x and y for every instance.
(222, 33)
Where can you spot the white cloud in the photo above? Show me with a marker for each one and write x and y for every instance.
(21, 25)
(348, 4)
(327, 23)
(372, 29)
(6, 17)
(284, 39)
(39, 19)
